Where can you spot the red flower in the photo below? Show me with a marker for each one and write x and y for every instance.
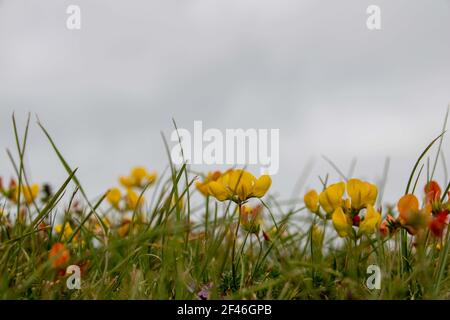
(438, 223)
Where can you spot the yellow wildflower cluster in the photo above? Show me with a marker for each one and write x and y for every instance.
(345, 211)
(138, 179)
(235, 184)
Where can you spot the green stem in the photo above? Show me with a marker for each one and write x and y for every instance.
(206, 218)
(233, 249)
(404, 252)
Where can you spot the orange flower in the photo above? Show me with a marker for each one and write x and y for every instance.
(406, 205)
(58, 255)
(432, 192)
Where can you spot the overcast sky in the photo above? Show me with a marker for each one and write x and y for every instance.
(310, 68)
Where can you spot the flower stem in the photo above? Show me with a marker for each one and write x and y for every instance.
(233, 252)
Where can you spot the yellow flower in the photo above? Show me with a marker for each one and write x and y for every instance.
(261, 186)
(132, 199)
(361, 193)
(141, 177)
(203, 186)
(341, 222)
(239, 185)
(371, 222)
(311, 200)
(67, 233)
(114, 196)
(127, 182)
(29, 193)
(331, 198)
(138, 173)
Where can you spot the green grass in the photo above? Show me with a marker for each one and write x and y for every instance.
(182, 247)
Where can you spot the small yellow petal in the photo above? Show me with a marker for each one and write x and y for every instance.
(373, 194)
(361, 193)
(311, 200)
(261, 186)
(139, 173)
(331, 198)
(202, 187)
(371, 221)
(114, 196)
(238, 177)
(217, 190)
(127, 182)
(133, 200)
(58, 228)
(244, 188)
(30, 192)
(341, 222)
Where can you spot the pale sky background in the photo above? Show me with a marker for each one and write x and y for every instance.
(310, 68)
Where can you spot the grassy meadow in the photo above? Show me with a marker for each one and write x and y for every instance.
(150, 237)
